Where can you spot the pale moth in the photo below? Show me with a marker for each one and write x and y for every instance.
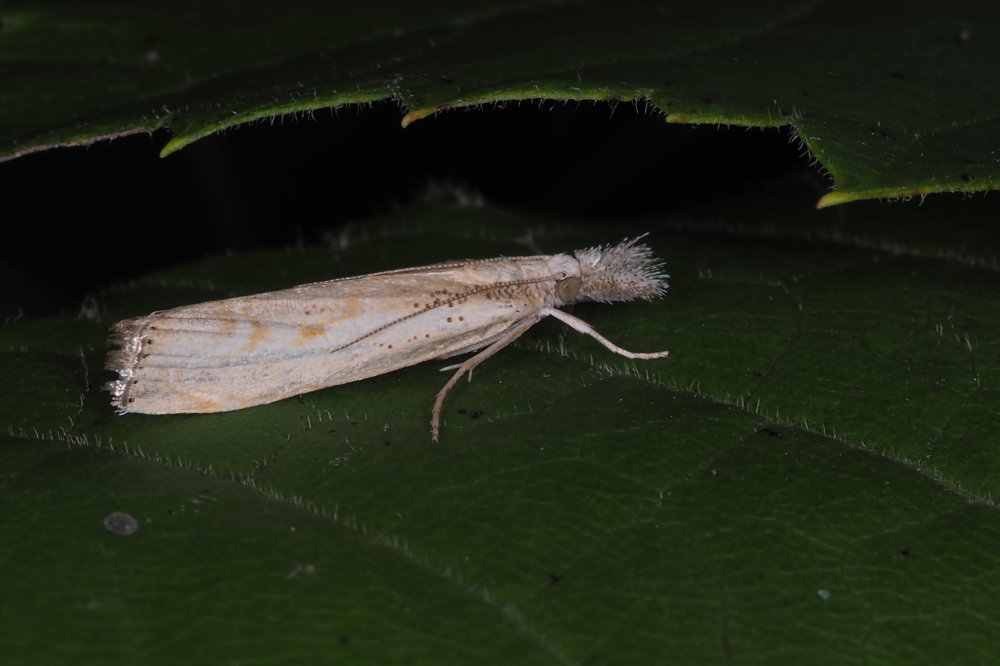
(252, 350)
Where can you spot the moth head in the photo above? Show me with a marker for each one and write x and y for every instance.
(620, 272)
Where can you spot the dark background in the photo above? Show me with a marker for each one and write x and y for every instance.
(80, 219)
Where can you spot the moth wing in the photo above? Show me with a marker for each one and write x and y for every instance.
(239, 352)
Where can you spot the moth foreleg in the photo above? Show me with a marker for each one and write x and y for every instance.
(580, 325)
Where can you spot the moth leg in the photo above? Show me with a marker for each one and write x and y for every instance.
(513, 333)
(580, 325)
(476, 347)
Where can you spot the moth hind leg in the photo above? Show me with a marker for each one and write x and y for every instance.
(511, 334)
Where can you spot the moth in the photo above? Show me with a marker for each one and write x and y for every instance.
(252, 350)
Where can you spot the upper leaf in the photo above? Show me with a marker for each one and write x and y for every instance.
(890, 100)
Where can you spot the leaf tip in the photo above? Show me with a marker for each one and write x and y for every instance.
(418, 114)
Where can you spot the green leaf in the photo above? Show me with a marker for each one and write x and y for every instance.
(892, 99)
(808, 478)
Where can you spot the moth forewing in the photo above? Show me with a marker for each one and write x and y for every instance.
(240, 352)
(251, 350)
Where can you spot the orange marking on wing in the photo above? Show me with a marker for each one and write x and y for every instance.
(311, 331)
(194, 403)
(258, 335)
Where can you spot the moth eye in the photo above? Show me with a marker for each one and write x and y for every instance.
(567, 289)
